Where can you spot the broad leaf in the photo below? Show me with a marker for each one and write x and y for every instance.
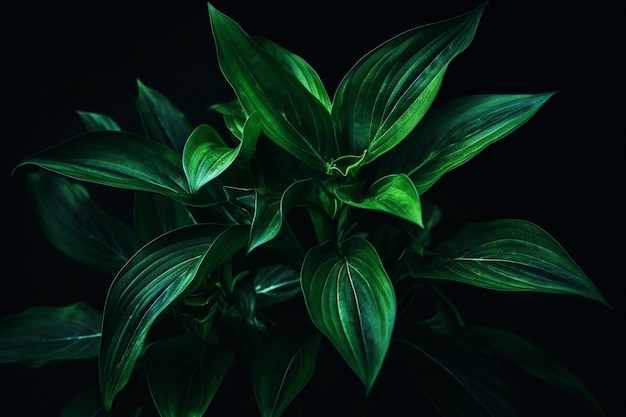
(388, 91)
(530, 358)
(457, 130)
(275, 284)
(97, 121)
(119, 159)
(280, 370)
(291, 116)
(507, 255)
(184, 374)
(351, 300)
(155, 214)
(456, 379)
(162, 120)
(150, 283)
(40, 335)
(394, 194)
(76, 226)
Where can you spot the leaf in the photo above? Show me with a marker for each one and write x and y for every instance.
(155, 214)
(184, 374)
(162, 120)
(119, 159)
(97, 121)
(40, 335)
(206, 156)
(150, 283)
(86, 403)
(280, 370)
(76, 226)
(291, 116)
(508, 255)
(457, 130)
(455, 378)
(528, 357)
(351, 300)
(275, 284)
(388, 91)
(394, 194)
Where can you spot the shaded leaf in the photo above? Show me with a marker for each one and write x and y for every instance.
(155, 214)
(40, 335)
(85, 404)
(275, 284)
(97, 121)
(351, 300)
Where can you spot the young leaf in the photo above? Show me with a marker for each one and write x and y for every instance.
(527, 356)
(76, 226)
(155, 214)
(507, 255)
(351, 300)
(455, 131)
(40, 335)
(394, 194)
(184, 374)
(274, 284)
(97, 121)
(389, 90)
(162, 121)
(206, 156)
(280, 370)
(291, 116)
(151, 282)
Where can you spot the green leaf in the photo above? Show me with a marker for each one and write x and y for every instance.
(155, 214)
(184, 374)
(457, 130)
(528, 357)
(388, 91)
(97, 121)
(150, 283)
(455, 378)
(394, 194)
(280, 370)
(162, 121)
(119, 159)
(86, 403)
(40, 335)
(291, 116)
(275, 284)
(206, 156)
(76, 226)
(234, 116)
(508, 255)
(351, 300)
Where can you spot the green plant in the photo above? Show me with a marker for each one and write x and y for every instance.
(305, 228)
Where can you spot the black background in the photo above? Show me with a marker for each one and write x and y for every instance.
(563, 170)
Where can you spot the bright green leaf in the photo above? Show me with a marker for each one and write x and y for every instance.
(280, 370)
(97, 121)
(385, 95)
(351, 300)
(40, 335)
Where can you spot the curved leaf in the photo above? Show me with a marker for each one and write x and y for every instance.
(508, 255)
(291, 116)
(155, 214)
(456, 131)
(276, 283)
(280, 370)
(389, 90)
(162, 121)
(151, 282)
(352, 302)
(184, 374)
(97, 121)
(40, 335)
(76, 226)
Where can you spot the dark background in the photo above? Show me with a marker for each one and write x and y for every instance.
(563, 170)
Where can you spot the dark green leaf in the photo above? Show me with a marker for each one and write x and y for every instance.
(389, 90)
(184, 374)
(352, 302)
(280, 370)
(456, 131)
(76, 226)
(161, 120)
(97, 121)
(276, 283)
(291, 116)
(85, 404)
(150, 283)
(508, 255)
(40, 335)
(155, 214)
(527, 356)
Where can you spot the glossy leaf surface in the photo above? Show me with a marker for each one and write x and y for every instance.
(40, 335)
(352, 302)
(149, 284)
